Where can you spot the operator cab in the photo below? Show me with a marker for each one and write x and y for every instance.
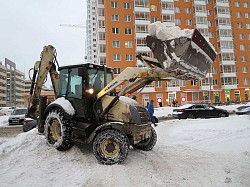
(80, 84)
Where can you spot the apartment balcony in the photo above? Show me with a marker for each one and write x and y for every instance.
(229, 38)
(167, 1)
(141, 9)
(143, 49)
(141, 35)
(99, 5)
(3, 81)
(142, 22)
(102, 42)
(221, 3)
(227, 62)
(173, 89)
(206, 88)
(199, 2)
(102, 54)
(169, 24)
(20, 100)
(222, 27)
(201, 26)
(2, 73)
(167, 12)
(148, 89)
(222, 15)
(233, 86)
(2, 102)
(3, 95)
(225, 50)
(101, 29)
(229, 74)
(200, 14)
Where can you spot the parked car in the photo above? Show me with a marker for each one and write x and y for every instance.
(5, 111)
(198, 111)
(17, 116)
(29, 124)
(245, 109)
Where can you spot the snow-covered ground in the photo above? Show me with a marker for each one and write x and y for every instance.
(4, 121)
(193, 152)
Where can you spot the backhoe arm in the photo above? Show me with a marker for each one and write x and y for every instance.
(43, 67)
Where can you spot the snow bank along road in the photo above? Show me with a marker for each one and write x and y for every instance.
(200, 152)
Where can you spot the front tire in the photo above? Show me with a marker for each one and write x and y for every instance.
(111, 147)
(192, 116)
(222, 115)
(148, 144)
(58, 131)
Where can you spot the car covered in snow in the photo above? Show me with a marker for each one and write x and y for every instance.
(17, 116)
(245, 109)
(198, 111)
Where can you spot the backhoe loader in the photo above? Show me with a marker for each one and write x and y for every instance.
(89, 110)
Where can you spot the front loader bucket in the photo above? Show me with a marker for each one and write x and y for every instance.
(189, 58)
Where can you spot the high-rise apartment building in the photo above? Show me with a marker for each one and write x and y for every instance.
(116, 32)
(11, 85)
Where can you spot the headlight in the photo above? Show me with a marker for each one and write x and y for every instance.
(90, 91)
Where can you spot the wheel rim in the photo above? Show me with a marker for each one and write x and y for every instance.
(109, 148)
(222, 115)
(55, 130)
(191, 116)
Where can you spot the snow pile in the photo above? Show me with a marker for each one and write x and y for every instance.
(129, 100)
(65, 104)
(4, 121)
(201, 152)
(160, 31)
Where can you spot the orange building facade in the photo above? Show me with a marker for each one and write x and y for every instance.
(117, 31)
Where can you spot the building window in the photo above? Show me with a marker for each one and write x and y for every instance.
(188, 22)
(187, 10)
(178, 21)
(129, 57)
(115, 17)
(243, 58)
(158, 84)
(248, 25)
(153, 19)
(214, 70)
(208, 2)
(128, 31)
(245, 80)
(241, 36)
(237, 3)
(247, 15)
(215, 82)
(115, 30)
(193, 83)
(211, 35)
(238, 14)
(242, 47)
(244, 69)
(126, 5)
(240, 25)
(101, 35)
(153, 8)
(128, 44)
(116, 57)
(141, 29)
(245, 5)
(209, 12)
(100, 12)
(177, 9)
(186, 0)
(116, 44)
(101, 24)
(102, 48)
(141, 42)
(127, 18)
(114, 4)
(210, 23)
(117, 71)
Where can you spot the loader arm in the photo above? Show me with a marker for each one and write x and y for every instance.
(41, 69)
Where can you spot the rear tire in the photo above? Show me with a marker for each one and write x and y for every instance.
(148, 144)
(58, 131)
(192, 116)
(222, 115)
(111, 147)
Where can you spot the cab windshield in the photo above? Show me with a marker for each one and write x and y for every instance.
(96, 79)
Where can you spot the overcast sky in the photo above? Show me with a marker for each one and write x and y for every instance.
(28, 25)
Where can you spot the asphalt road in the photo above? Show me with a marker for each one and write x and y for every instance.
(10, 131)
